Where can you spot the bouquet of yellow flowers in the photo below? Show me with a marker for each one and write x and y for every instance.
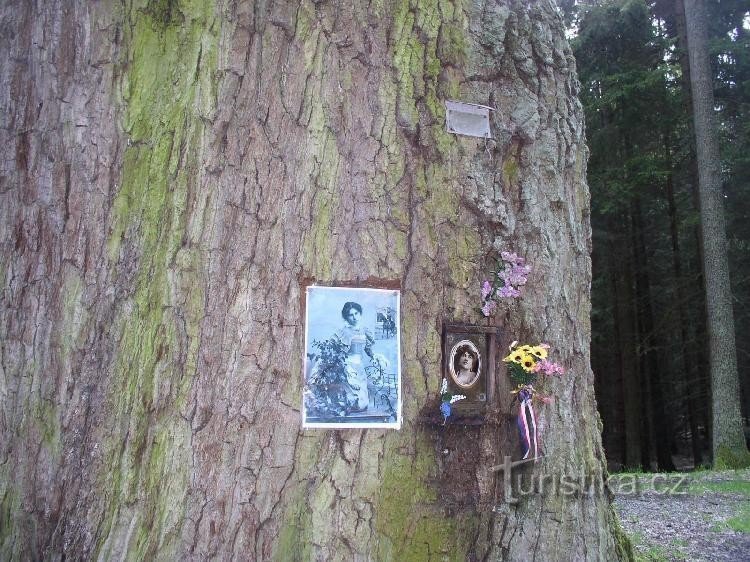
(525, 363)
(528, 361)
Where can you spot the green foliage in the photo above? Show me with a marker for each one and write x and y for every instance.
(630, 98)
(519, 376)
(646, 258)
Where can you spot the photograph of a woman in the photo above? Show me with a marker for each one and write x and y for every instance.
(352, 365)
(359, 341)
(465, 363)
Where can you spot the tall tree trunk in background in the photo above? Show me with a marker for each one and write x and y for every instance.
(688, 355)
(625, 321)
(728, 442)
(174, 170)
(700, 386)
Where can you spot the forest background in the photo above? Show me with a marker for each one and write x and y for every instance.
(650, 350)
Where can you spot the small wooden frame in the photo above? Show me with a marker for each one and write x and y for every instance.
(469, 357)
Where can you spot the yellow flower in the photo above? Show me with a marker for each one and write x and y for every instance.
(538, 351)
(525, 348)
(515, 357)
(527, 362)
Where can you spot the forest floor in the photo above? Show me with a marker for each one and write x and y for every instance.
(695, 516)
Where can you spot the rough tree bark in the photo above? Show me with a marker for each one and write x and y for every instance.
(173, 169)
(728, 441)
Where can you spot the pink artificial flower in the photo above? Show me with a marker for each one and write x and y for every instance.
(505, 273)
(548, 368)
(508, 292)
(489, 307)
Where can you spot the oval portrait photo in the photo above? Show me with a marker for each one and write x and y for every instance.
(465, 364)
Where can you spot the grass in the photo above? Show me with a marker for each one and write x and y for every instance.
(652, 554)
(647, 552)
(724, 487)
(695, 482)
(741, 521)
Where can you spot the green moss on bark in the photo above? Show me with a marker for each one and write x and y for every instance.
(623, 545)
(295, 535)
(510, 172)
(410, 525)
(319, 239)
(728, 458)
(315, 117)
(73, 315)
(9, 508)
(427, 38)
(296, 530)
(165, 85)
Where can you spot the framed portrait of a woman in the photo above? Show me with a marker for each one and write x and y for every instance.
(352, 366)
(469, 360)
(465, 363)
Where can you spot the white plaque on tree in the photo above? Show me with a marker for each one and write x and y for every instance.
(468, 119)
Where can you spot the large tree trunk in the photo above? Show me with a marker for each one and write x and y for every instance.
(728, 442)
(700, 383)
(174, 170)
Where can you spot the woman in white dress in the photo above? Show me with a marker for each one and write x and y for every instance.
(360, 342)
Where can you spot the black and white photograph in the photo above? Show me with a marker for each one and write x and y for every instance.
(465, 364)
(352, 367)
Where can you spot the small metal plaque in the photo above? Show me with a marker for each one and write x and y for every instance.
(468, 119)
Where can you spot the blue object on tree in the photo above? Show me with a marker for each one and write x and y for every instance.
(445, 409)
